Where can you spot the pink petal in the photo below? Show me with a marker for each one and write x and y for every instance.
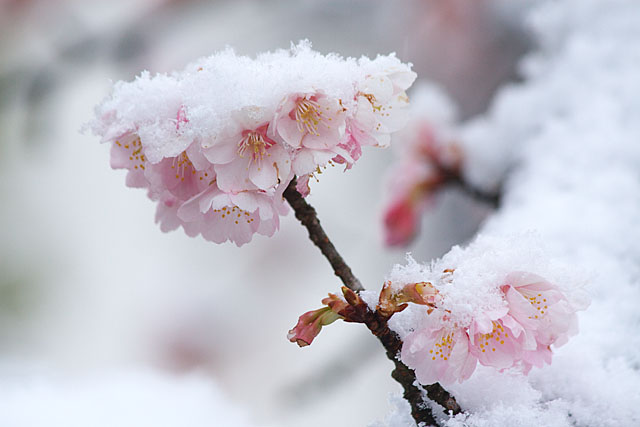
(289, 132)
(234, 176)
(223, 151)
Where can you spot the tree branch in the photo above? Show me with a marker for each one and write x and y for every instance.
(376, 323)
(306, 214)
(392, 343)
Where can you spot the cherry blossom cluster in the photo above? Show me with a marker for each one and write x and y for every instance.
(217, 144)
(535, 315)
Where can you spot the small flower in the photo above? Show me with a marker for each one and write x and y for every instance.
(248, 158)
(184, 175)
(494, 343)
(540, 307)
(439, 354)
(220, 216)
(381, 110)
(126, 153)
(312, 124)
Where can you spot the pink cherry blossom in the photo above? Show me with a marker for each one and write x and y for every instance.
(381, 110)
(248, 158)
(184, 176)
(439, 354)
(314, 125)
(535, 315)
(186, 188)
(494, 343)
(540, 307)
(126, 153)
(220, 216)
(502, 340)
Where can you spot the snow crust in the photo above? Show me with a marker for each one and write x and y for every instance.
(212, 88)
(479, 269)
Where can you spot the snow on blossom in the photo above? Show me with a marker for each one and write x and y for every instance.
(379, 98)
(487, 310)
(217, 143)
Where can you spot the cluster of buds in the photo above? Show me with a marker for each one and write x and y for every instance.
(222, 174)
(352, 308)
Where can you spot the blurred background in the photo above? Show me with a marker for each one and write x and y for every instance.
(88, 283)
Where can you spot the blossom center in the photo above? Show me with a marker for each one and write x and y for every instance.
(254, 144)
(234, 215)
(494, 338)
(539, 303)
(182, 166)
(136, 156)
(308, 116)
(443, 347)
(372, 99)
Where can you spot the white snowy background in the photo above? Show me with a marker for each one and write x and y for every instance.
(105, 320)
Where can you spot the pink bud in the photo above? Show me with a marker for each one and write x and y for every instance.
(393, 301)
(310, 324)
(400, 223)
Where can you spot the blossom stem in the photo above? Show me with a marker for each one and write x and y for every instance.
(306, 214)
(376, 322)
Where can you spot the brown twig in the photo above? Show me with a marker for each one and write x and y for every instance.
(375, 321)
(306, 214)
(377, 324)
